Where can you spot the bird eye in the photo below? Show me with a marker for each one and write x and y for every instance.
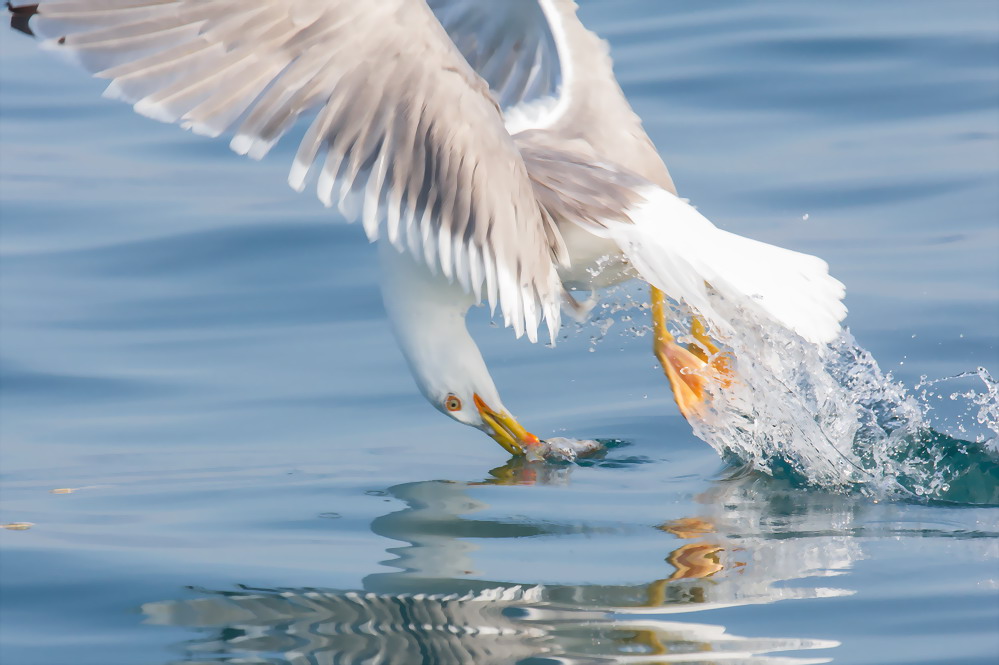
(452, 403)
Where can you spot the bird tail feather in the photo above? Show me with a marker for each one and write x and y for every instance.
(675, 248)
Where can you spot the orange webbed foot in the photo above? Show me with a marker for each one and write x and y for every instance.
(690, 369)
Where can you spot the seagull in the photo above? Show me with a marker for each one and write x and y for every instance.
(485, 146)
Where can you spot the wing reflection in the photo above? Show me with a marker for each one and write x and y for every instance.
(428, 611)
(501, 625)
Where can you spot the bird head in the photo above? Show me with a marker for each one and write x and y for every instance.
(469, 407)
(427, 312)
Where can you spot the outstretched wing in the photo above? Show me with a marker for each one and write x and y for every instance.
(403, 133)
(549, 73)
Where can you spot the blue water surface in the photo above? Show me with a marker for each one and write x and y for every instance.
(203, 356)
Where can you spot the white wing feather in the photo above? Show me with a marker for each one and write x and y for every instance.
(675, 248)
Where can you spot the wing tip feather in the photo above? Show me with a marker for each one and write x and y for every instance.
(297, 176)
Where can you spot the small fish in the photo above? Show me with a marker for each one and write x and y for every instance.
(562, 449)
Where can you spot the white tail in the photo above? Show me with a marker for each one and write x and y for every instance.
(676, 248)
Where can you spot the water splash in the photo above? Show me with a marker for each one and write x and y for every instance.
(620, 305)
(830, 417)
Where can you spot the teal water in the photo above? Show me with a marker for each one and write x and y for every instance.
(202, 354)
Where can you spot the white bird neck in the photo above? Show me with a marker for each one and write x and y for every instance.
(427, 313)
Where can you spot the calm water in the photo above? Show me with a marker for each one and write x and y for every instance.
(204, 354)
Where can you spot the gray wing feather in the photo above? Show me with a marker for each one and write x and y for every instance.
(403, 133)
(508, 42)
(550, 73)
(574, 186)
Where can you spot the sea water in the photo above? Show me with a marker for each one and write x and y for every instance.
(220, 456)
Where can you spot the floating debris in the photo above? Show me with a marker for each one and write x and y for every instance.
(73, 490)
(17, 526)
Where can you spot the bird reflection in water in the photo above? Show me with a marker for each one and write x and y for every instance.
(429, 611)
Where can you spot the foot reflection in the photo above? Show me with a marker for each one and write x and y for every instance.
(428, 611)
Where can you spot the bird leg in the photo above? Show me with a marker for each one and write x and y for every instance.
(685, 366)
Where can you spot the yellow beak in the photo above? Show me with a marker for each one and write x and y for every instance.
(505, 429)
